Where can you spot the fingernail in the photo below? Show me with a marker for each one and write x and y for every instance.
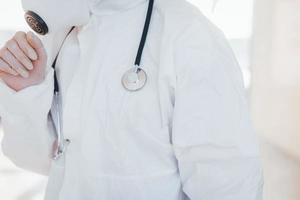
(24, 73)
(12, 72)
(33, 55)
(30, 66)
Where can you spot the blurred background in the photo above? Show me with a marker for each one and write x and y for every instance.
(265, 36)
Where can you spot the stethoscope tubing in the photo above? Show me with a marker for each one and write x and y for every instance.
(144, 34)
(61, 142)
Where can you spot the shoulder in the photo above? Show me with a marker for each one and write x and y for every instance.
(180, 16)
(200, 49)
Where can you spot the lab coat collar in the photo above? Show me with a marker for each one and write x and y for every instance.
(107, 7)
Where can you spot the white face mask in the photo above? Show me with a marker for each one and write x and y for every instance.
(56, 14)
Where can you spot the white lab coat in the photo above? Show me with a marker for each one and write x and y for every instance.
(185, 135)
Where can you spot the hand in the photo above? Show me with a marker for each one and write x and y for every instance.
(23, 61)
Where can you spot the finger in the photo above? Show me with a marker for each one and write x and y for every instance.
(4, 67)
(8, 57)
(14, 48)
(37, 44)
(21, 39)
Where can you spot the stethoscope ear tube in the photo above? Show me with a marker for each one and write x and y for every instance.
(60, 144)
(56, 85)
(145, 34)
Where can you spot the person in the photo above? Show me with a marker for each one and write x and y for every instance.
(186, 134)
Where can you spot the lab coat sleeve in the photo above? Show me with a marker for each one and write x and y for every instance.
(212, 135)
(28, 131)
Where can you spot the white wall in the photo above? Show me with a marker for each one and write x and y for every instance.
(275, 95)
(11, 15)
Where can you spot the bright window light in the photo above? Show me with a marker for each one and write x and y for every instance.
(232, 16)
(11, 16)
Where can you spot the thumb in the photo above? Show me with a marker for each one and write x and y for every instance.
(37, 44)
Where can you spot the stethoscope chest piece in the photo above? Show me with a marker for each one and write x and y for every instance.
(134, 79)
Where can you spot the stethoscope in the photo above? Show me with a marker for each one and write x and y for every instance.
(133, 80)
